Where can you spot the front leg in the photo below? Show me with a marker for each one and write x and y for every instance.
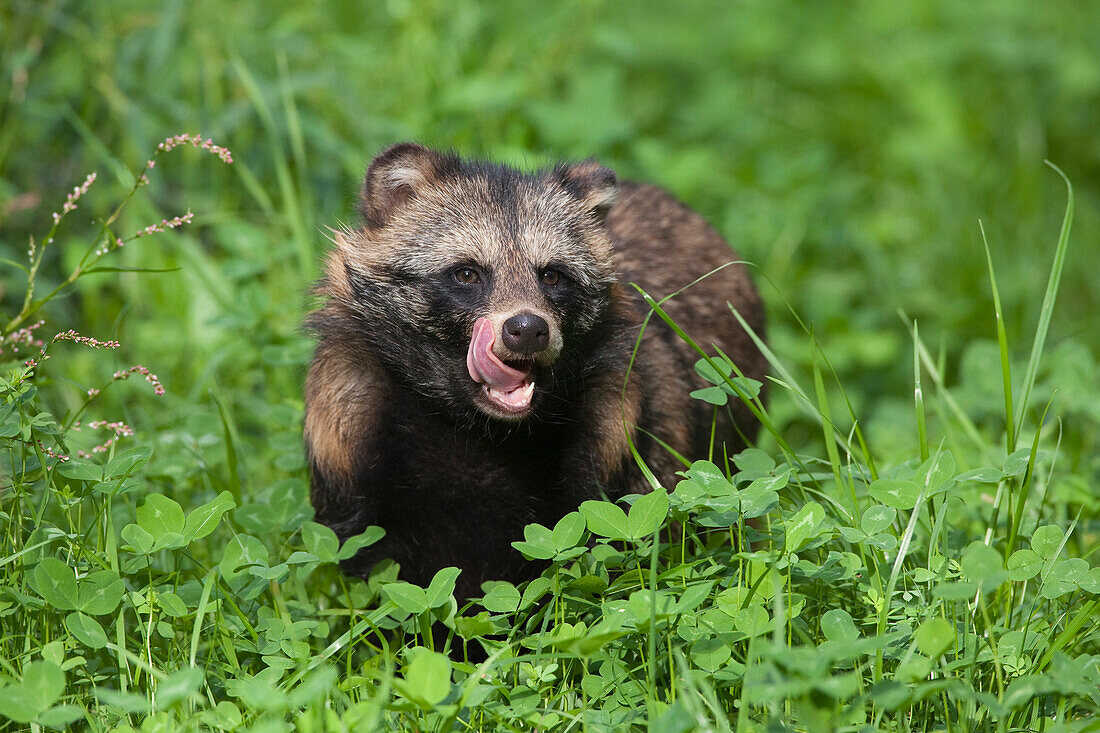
(346, 397)
(599, 457)
(615, 417)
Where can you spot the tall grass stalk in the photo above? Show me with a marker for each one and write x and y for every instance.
(1046, 311)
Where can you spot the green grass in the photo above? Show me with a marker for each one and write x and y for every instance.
(912, 545)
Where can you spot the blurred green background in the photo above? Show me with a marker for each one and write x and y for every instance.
(848, 149)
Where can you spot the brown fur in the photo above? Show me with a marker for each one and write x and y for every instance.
(396, 430)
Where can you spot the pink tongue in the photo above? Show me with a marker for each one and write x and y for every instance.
(485, 367)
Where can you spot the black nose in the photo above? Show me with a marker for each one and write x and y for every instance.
(526, 333)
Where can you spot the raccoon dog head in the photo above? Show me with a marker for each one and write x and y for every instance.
(475, 283)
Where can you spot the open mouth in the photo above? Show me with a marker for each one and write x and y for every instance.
(508, 387)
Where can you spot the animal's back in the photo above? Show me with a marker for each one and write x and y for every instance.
(663, 246)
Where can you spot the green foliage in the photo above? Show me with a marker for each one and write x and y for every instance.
(884, 559)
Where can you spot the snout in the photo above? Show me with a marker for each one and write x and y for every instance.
(525, 333)
(508, 354)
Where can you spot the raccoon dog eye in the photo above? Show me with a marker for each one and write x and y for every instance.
(467, 276)
(551, 277)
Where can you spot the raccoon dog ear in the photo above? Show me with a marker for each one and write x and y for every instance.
(394, 177)
(592, 183)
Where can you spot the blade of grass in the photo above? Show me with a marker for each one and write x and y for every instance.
(918, 396)
(1002, 344)
(1069, 634)
(785, 378)
(1025, 488)
(231, 440)
(807, 406)
(754, 407)
(672, 451)
(1049, 296)
(935, 373)
(646, 472)
(651, 640)
(899, 560)
(829, 428)
(806, 403)
(200, 612)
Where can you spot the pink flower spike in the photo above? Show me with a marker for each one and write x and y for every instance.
(72, 335)
(165, 225)
(70, 201)
(158, 388)
(196, 141)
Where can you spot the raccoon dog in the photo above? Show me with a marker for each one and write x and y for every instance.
(471, 369)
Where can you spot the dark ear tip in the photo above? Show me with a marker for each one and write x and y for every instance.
(600, 173)
(602, 177)
(398, 150)
(590, 173)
